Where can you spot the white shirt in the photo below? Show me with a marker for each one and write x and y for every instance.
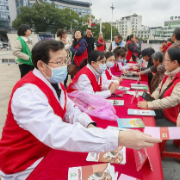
(33, 113)
(121, 67)
(84, 84)
(114, 45)
(113, 78)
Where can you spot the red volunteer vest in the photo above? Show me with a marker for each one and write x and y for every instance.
(108, 75)
(84, 55)
(90, 75)
(171, 113)
(101, 48)
(117, 67)
(129, 53)
(19, 149)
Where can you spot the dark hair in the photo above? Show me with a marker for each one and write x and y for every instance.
(169, 39)
(148, 52)
(158, 56)
(129, 37)
(119, 51)
(75, 40)
(93, 56)
(109, 54)
(137, 38)
(174, 54)
(60, 32)
(177, 33)
(41, 50)
(119, 36)
(164, 41)
(89, 29)
(22, 29)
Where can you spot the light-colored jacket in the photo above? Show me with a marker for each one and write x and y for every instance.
(18, 47)
(170, 101)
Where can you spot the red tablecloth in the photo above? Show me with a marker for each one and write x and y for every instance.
(55, 165)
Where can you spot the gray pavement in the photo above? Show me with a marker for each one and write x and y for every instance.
(9, 75)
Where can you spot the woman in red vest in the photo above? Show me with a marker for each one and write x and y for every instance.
(169, 43)
(89, 78)
(167, 95)
(101, 45)
(110, 63)
(133, 51)
(79, 48)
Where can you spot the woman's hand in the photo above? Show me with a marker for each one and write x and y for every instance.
(120, 79)
(142, 105)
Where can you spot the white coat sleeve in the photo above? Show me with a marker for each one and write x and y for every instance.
(33, 113)
(83, 84)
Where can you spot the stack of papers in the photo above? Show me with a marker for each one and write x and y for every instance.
(141, 112)
(133, 93)
(100, 171)
(116, 157)
(130, 123)
(122, 88)
(117, 102)
(125, 177)
(139, 86)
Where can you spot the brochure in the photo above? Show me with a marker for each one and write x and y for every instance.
(116, 157)
(93, 172)
(125, 177)
(116, 102)
(141, 112)
(122, 88)
(130, 123)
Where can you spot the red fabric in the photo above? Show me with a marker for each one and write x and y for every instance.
(101, 48)
(19, 148)
(108, 75)
(171, 113)
(90, 75)
(167, 47)
(55, 165)
(129, 53)
(84, 55)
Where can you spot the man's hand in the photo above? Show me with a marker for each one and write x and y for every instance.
(143, 105)
(137, 140)
(113, 87)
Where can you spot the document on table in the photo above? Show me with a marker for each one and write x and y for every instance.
(141, 112)
(125, 177)
(164, 133)
(130, 123)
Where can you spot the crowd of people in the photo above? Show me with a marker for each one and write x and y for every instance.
(40, 115)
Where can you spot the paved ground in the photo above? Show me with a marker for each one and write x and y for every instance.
(9, 75)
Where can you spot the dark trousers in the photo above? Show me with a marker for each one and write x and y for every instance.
(24, 69)
(161, 121)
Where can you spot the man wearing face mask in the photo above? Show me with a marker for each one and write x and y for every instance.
(41, 117)
(89, 78)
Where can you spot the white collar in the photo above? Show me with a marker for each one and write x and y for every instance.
(97, 75)
(26, 38)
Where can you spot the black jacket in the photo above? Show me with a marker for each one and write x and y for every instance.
(90, 42)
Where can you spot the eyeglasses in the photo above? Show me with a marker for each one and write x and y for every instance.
(59, 62)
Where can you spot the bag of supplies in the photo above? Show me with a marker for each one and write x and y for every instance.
(93, 105)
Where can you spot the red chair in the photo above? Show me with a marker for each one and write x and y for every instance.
(169, 154)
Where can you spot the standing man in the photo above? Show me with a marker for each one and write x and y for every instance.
(90, 40)
(117, 42)
(101, 45)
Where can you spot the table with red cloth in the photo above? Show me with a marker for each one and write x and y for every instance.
(56, 164)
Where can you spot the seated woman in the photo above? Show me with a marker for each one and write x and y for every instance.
(157, 70)
(89, 78)
(110, 62)
(167, 95)
(120, 65)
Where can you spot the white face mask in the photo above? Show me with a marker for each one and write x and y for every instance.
(110, 64)
(119, 60)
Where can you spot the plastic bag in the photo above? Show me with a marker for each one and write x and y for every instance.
(93, 105)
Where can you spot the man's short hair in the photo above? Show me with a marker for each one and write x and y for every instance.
(41, 50)
(89, 29)
(119, 36)
(177, 33)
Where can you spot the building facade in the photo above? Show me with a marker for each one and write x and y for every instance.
(143, 33)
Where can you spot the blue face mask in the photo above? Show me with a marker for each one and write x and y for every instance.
(110, 64)
(58, 74)
(102, 68)
(119, 60)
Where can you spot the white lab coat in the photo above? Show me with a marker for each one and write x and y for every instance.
(84, 84)
(105, 79)
(33, 113)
